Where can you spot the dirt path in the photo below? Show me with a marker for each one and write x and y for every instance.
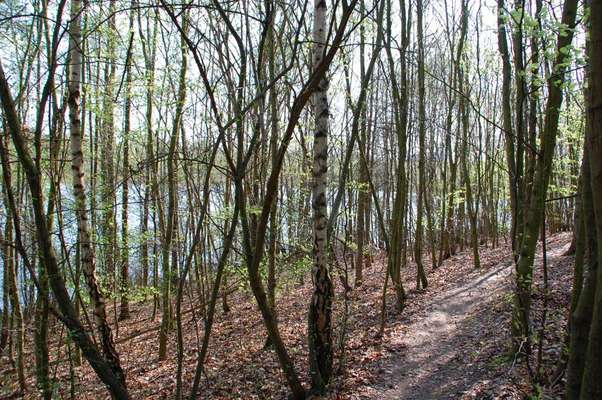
(445, 335)
(448, 343)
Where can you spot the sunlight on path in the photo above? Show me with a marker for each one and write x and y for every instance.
(433, 365)
(448, 332)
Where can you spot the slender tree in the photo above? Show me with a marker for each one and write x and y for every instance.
(591, 386)
(542, 173)
(88, 256)
(320, 308)
(421, 280)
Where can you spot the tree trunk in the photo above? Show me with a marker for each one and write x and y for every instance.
(18, 325)
(421, 280)
(592, 374)
(271, 284)
(543, 170)
(48, 257)
(124, 310)
(507, 120)
(319, 324)
(583, 294)
(170, 269)
(107, 154)
(88, 257)
(472, 214)
(5, 306)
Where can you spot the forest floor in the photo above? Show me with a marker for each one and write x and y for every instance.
(455, 335)
(450, 342)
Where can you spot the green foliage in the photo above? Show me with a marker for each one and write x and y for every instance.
(254, 210)
(457, 197)
(226, 213)
(240, 271)
(139, 294)
(538, 392)
(301, 267)
(350, 244)
(518, 15)
(498, 360)
(358, 186)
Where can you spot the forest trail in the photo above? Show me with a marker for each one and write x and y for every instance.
(448, 343)
(433, 367)
(445, 334)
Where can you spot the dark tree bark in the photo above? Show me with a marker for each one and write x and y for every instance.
(592, 373)
(421, 280)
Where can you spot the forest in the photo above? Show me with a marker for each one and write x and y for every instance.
(294, 199)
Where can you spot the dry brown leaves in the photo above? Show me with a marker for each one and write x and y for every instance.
(239, 366)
